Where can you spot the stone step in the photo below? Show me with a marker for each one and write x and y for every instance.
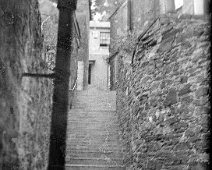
(95, 114)
(91, 147)
(91, 142)
(98, 138)
(91, 101)
(98, 118)
(92, 108)
(110, 95)
(93, 132)
(90, 134)
(93, 167)
(94, 122)
(79, 128)
(102, 96)
(75, 128)
(93, 98)
(91, 113)
(103, 148)
(70, 149)
(77, 132)
(95, 141)
(76, 153)
(86, 110)
(94, 161)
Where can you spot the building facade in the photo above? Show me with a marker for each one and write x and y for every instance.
(83, 18)
(98, 72)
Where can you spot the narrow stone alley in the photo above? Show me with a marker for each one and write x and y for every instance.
(92, 134)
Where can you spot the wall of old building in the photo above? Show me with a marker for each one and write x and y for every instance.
(25, 102)
(83, 18)
(130, 19)
(163, 96)
(98, 55)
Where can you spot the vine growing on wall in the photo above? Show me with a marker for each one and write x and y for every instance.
(49, 30)
(124, 44)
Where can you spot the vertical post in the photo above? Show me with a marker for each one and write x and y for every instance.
(61, 86)
(129, 17)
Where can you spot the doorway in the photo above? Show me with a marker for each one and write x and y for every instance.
(91, 64)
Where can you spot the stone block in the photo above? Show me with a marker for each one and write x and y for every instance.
(187, 99)
(166, 45)
(183, 79)
(185, 90)
(202, 91)
(199, 166)
(183, 146)
(171, 97)
(167, 131)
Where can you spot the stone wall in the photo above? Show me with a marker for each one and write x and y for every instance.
(163, 96)
(25, 103)
(127, 21)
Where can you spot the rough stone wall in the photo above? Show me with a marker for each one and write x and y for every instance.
(130, 20)
(163, 97)
(25, 103)
(139, 19)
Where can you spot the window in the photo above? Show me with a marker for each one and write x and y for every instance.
(104, 39)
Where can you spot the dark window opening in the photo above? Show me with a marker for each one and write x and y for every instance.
(104, 39)
(89, 73)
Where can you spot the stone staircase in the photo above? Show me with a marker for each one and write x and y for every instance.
(92, 134)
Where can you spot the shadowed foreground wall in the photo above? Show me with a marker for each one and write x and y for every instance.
(25, 103)
(163, 97)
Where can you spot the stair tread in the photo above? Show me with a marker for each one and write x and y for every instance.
(94, 165)
(91, 120)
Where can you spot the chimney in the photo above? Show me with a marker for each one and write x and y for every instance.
(195, 7)
(166, 6)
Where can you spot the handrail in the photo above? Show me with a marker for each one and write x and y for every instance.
(44, 21)
(75, 84)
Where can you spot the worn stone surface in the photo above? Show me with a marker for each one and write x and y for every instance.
(92, 132)
(163, 98)
(25, 103)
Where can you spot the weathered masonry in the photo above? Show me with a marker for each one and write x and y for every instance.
(163, 96)
(25, 102)
(161, 73)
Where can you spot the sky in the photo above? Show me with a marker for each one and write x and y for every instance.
(178, 3)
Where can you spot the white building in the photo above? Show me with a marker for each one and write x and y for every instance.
(99, 41)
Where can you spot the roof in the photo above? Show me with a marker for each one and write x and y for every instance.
(100, 24)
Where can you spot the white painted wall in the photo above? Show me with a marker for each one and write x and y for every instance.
(198, 7)
(80, 73)
(193, 7)
(99, 73)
